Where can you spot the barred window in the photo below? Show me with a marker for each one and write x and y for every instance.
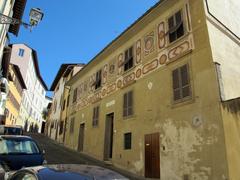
(128, 104)
(95, 116)
(181, 83)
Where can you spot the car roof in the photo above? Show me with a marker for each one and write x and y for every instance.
(14, 126)
(15, 137)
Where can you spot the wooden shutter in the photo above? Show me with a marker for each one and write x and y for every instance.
(185, 81)
(176, 85)
(125, 105)
(130, 103)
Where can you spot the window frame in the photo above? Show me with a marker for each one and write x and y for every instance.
(181, 85)
(21, 52)
(128, 104)
(95, 120)
(98, 80)
(183, 24)
(128, 59)
(72, 122)
(127, 141)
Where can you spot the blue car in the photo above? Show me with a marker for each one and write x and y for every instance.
(19, 151)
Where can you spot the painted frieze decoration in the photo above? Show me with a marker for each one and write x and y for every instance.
(141, 70)
(104, 74)
(149, 43)
(161, 35)
(138, 52)
(120, 63)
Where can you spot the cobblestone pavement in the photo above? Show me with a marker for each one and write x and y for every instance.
(58, 154)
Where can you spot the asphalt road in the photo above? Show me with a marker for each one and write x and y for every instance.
(58, 154)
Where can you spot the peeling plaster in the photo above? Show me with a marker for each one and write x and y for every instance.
(181, 142)
(139, 165)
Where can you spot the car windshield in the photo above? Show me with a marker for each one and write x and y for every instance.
(17, 146)
(12, 131)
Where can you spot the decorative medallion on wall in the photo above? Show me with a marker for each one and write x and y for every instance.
(161, 35)
(138, 51)
(149, 43)
(120, 63)
(163, 59)
(92, 82)
(138, 73)
(104, 74)
(129, 79)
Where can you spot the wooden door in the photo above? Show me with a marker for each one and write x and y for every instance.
(81, 137)
(108, 141)
(152, 156)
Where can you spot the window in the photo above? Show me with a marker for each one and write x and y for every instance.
(181, 83)
(72, 125)
(75, 95)
(128, 61)
(61, 127)
(64, 102)
(95, 116)
(175, 26)
(21, 52)
(98, 79)
(127, 141)
(68, 100)
(128, 104)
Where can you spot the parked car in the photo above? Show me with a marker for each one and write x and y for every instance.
(19, 151)
(66, 172)
(11, 130)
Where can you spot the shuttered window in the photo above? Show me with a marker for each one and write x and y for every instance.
(98, 79)
(72, 125)
(127, 141)
(128, 59)
(128, 104)
(181, 83)
(175, 26)
(75, 95)
(95, 116)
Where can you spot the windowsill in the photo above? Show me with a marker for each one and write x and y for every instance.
(177, 40)
(98, 89)
(182, 102)
(129, 70)
(129, 117)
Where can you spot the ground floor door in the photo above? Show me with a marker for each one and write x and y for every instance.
(43, 127)
(152, 156)
(81, 137)
(108, 141)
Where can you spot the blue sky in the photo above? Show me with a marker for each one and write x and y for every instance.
(74, 31)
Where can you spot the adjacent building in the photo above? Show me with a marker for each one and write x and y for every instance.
(162, 99)
(16, 87)
(57, 117)
(14, 9)
(34, 99)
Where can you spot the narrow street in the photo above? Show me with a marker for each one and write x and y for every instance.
(57, 154)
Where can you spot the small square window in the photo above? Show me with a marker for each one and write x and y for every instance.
(21, 52)
(127, 141)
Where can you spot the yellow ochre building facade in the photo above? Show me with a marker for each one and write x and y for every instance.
(161, 100)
